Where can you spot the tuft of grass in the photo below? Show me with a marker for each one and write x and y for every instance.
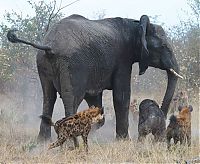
(29, 146)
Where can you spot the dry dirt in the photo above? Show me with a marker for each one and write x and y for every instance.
(19, 129)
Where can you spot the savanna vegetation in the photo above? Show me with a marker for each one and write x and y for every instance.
(21, 95)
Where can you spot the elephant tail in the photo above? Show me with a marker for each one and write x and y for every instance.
(47, 120)
(14, 39)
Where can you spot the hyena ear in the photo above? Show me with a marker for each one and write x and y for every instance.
(190, 108)
(92, 107)
(180, 108)
(102, 110)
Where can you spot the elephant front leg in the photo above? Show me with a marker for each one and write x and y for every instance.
(121, 100)
(121, 111)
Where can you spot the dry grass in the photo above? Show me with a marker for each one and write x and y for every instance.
(18, 145)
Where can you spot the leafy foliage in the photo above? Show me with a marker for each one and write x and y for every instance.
(186, 39)
(21, 58)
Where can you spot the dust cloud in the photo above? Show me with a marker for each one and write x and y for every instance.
(23, 105)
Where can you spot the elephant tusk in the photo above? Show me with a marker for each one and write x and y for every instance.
(175, 73)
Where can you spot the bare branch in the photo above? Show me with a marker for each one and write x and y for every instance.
(52, 15)
(67, 5)
(60, 4)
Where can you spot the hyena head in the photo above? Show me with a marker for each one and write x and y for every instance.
(97, 114)
(184, 110)
(184, 115)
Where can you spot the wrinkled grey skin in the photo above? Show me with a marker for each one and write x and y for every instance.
(82, 57)
(151, 120)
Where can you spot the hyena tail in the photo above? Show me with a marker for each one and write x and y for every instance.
(47, 120)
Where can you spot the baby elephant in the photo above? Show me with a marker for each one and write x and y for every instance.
(179, 127)
(79, 124)
(151, 120)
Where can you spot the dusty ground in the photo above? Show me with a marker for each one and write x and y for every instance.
(18, 141)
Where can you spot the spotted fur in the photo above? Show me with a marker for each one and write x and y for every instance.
(79, 124)
(179, 127)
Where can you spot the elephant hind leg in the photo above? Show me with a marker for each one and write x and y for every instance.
(71, 104)
(94, 100)
(70, 98)
(49, 98)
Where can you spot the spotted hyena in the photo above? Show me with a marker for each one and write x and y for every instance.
(151, 120)
(179, 127)
(79, 124)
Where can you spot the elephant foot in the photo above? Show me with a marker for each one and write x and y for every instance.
(44, 133)
(124, 137)
(43, 138)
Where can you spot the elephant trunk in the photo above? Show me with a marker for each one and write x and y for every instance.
(171, 85)
(171, 66)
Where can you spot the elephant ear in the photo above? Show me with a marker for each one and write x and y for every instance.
(143, 28)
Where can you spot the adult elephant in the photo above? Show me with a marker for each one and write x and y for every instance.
(80, 58)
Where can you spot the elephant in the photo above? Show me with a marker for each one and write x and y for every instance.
(79, 58)
(151, 120)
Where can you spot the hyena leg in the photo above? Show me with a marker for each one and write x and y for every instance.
(85, 141)
(157, 137)
(189, 140)
(59, 142)
(176, 139)
(168, 142)
(183, 139)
